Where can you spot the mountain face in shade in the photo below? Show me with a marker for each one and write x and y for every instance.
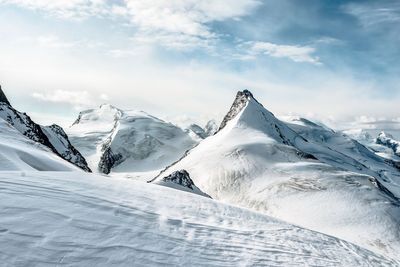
(3, 98)
(299, 172)
(60, 141)
(388, 141)
(52, 137)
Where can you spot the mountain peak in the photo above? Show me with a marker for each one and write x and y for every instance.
(242, 97)
(3, 98)
(246, 93)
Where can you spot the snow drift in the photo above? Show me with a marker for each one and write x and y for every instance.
(89, 220)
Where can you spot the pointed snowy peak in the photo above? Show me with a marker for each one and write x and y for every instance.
(105, 113)
(3, 98)
(241, 100)
(181, 180)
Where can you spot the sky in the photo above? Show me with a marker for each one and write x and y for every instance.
(186, 59)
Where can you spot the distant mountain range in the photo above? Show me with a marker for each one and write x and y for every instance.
(341, 183)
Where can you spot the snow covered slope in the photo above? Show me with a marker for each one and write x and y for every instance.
(52, 137)
(79, 219)
(259, 162)
(119, 141)
(347, 153)
(19, 153)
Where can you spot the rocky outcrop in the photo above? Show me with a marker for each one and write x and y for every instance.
(108, 160)
(3, 98)
(240, 102)
(60, 141)
(388, 141)
(183, 181)
(181, 177)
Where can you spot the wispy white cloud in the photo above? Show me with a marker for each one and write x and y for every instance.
(53, 41)
(174, 23)
(188, 17)
(375, 13)
(180, 24)
(293, 52)
(75, 9)
(77, 99)
(176, 41)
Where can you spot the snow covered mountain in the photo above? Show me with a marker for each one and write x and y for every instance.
(295, 170)
(300, 172)
(52, 137)
(378, 147)
(120, 141)
(20, 153)
(89, 220)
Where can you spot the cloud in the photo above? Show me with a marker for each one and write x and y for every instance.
(188, 17)
(176, 41)
(64, 8)
(52, 41)
(293, 52)
(375, 13)
(180, 24)
(77, 99)
(175, 24)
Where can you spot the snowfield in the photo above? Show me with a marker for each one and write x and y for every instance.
(80, 219)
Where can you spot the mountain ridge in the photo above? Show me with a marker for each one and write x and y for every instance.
(53, 137)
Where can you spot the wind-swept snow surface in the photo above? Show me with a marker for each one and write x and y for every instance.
(314, 177)
(79, 219)
(119, 141)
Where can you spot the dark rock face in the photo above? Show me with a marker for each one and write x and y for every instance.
(24, 124)
(181, 177)
(3, 98)
(51, 136)
(197, 130)
(64, 147)
(242, 97)
(109, 160)
(388, 141)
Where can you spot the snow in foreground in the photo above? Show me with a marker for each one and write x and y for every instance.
(56, 218)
